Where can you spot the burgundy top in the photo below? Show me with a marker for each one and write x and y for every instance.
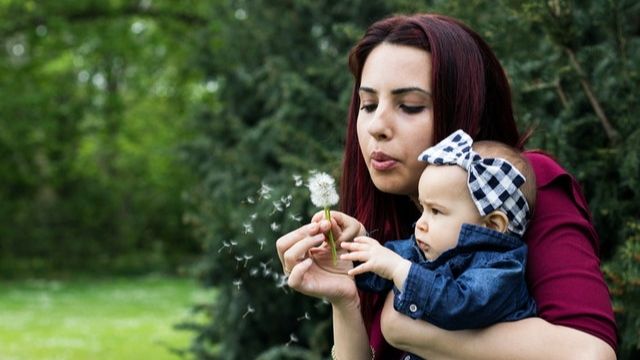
(563, 267)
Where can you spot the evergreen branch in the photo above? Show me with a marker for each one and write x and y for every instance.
(561, 94)
(612, 134)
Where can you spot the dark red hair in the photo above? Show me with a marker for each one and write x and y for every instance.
(470, 92)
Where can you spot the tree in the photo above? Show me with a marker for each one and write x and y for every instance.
(91, 115)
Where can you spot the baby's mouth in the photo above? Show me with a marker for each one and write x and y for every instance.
(422, 245)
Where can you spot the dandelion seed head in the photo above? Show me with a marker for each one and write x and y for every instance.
(323, 190)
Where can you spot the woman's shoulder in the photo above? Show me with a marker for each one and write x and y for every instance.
(552, 179)
(545, 166)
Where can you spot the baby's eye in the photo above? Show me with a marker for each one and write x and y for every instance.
(412, 109)
(435, 211)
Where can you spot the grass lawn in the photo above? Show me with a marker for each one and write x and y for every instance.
(120, 319)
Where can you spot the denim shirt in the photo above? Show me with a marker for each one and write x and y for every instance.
(478, 283)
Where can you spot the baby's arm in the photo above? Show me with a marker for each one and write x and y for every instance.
(376, 258)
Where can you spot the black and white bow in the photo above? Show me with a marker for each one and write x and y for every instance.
(494, 183)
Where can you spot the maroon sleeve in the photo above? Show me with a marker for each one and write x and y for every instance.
(563, 267)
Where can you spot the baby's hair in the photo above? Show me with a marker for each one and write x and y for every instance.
(494, 149)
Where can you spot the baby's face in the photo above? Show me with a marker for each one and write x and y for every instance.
(446, 205)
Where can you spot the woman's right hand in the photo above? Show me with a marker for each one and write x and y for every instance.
(308, 276)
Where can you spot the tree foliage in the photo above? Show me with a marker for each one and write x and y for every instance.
(92, 94)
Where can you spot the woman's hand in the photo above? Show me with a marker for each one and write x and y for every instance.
(310, 275)
(344, 227)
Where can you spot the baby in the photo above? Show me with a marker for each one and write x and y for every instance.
(464, 267)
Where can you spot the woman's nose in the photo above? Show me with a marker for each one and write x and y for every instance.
(380, 125)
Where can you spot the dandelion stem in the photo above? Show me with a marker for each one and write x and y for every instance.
(332, 243)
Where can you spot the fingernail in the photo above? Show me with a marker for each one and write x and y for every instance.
(318, 237)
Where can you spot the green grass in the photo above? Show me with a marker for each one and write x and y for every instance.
(116, 319)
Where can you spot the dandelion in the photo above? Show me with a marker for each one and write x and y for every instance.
(237, 283)
(281, 281)
(239, 260)
(224, 246)
(265, 191)
(292, 339)
(266, 271)
(246, 259)
(286, 200)
(324, 195)
(275, 227)
(277, 207)
(250, 310)
(297, 179)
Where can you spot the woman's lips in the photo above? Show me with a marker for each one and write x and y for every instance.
(381, 161)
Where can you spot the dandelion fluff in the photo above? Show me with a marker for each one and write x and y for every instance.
(323, 190)
(323, 194)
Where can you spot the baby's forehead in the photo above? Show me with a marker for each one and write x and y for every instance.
(435, 177)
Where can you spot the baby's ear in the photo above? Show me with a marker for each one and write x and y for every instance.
(496, 220)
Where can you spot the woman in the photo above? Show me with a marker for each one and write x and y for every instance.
(417, 79)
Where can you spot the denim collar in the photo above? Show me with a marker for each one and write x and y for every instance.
(472, 237)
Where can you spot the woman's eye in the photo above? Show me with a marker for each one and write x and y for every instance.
(412, 109)
(369, 107)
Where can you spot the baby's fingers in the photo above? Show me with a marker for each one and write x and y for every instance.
(362, 268)
(356, 255)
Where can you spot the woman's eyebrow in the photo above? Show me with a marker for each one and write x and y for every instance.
(409, 89)
(367, 90)
(398, 91)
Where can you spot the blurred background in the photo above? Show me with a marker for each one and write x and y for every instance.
(152, 151)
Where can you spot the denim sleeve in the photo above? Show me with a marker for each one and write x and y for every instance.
(479, 297)
(371, 281)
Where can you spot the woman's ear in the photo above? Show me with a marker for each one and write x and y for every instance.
(496, 220)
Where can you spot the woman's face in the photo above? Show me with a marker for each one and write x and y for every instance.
(395, 121)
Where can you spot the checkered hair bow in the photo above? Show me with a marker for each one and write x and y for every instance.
(493, 182)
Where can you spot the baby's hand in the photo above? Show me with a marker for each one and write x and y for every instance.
(374, 257)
